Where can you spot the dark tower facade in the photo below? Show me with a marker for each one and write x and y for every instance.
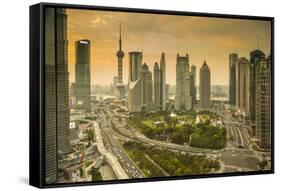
(193, 85)
(263, 103)
(256, 57)
(56, 91)
(233, 59)
(82, 75)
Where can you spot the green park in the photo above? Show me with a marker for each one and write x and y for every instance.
(155, 162)
(199, 129)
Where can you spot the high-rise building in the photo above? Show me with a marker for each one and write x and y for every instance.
(82, 74)
(120, 55)
(147, 89)
(56, 91)
(233, 59)
(62, 83)
(72, 99)
(183, 98)
(163, 95)
(205, 86)
(256, 57)
(115, 91)
(135, 84)
(193, 85)
(157, 79)
(243, 85)
(263, 103)
(50, 99)
(167, 91)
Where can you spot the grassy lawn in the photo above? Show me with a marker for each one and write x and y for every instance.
(174, 164)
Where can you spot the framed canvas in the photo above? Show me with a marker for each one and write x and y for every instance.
(121, 95)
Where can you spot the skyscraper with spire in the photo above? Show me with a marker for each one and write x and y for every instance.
(163, 82)
(120, 55)
(156, 81)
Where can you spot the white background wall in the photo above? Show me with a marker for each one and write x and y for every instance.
(14, 71)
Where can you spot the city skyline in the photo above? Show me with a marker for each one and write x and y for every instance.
(143, 132)
(210, 39)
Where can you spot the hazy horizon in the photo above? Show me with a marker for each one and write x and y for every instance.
(203, 38)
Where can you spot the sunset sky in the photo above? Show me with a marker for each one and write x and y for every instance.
(210, 39)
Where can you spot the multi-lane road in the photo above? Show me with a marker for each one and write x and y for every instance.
(238, 154)
(112, 144)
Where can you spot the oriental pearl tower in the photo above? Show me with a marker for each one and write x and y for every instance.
(120, 55)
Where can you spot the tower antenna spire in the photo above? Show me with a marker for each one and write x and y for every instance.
(120, 37)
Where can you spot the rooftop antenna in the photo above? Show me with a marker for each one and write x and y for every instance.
(120, 38)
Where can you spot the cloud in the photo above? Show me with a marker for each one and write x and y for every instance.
(96, 20)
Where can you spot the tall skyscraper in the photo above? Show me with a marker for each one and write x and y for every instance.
(193, 85)
(82, 74)
(147, 89)
(205, 86)
(135, 84)
(157, 79)
(263, 103)
(56, 91)
(183, 98)
(243, 85)
(115, 91)
(120, 55)
(62, 83)
(233, 59)
(163, 95)
(256, 57)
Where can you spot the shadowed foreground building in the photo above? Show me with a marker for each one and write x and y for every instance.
(263, 103)
(183, 98)
(82, 75)
(256, 57)
(205, 86)
(56, 91)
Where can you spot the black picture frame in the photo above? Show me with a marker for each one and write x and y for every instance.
(36, 131)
